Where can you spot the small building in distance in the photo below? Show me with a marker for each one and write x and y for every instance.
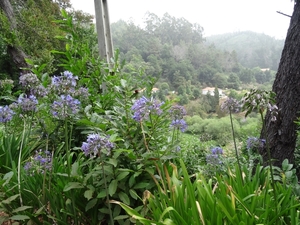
(211, 91)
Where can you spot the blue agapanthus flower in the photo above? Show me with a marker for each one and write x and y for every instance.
(64, 84)
(39, 163)
(143, 107)
(6, 114)
(95, 144)
(179, 124)
(177, 112)
(66, 106)
(215, 157)
(254, 142)
(27, 104)
(29, 80)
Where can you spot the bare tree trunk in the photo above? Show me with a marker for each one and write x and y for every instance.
(282, 134)
(14, 51)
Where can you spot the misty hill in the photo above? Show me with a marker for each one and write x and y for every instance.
(174, 51)
(253, 49)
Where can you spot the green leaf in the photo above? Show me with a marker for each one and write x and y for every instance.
(74, 171)
(113, 162)
(101, 194)
(104, 210)
(140, 185)
(289, 174)
(134, 213)
(123, 83)
(19, 217)
(72, 185)
(112, 187)
(88, 194)
(22, 208)
(7, 177)
(124, 198)
(121, 217)
(91, 204)
(122, 175)
(131, 181)
(10, 199)
(133, 194)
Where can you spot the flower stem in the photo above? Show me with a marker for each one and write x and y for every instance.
(144, 137)
(269, 160)
(106, 191)
(67, 147)
(236, 151)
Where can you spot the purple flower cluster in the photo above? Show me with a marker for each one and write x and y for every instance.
(177, 112)
(39, 163)
(27, 104)
(253, 142)
(65, 107)
(65, 83)
(29, 80)
(6, 114)
(82, 93)
(215, 157)
(217, 151)
(39, 90)
(144, 107)
(231, 105)
(95, 144)
(179, 124)
(31, 83)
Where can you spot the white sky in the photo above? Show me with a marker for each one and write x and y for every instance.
(215, 16)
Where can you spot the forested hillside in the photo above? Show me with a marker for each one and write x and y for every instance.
(174, 50)
(253, 49)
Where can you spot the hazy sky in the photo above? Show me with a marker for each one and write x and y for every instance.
(215, 16)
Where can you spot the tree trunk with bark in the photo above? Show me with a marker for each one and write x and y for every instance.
(14, 51)
(281, 134)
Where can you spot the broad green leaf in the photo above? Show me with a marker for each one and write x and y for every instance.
(19, 217)
(121, 217)
(140, 185)
(91, 204)
(124, 198)
(88, 194)
(72, 185)
(10, 199)
(113, 162)
(122, 175)
(133, 194)
(7, 177)
(22, 208)
(112, 187)
(131, 181)
(289, 174)
(104, 210)
(74, 171)
(101, 194)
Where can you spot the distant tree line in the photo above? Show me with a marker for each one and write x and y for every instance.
(174, 51)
